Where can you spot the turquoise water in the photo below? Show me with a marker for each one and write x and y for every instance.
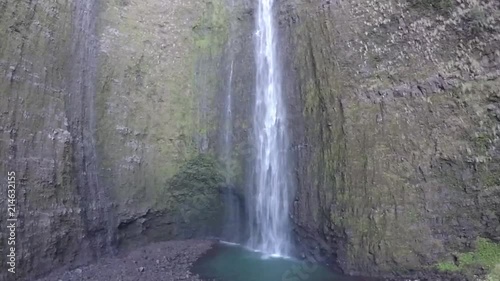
(234, 263)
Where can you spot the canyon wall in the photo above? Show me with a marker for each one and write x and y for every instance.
(158, 78)
(396, 109)
(106, 108)
(47, 60)
(110, 108)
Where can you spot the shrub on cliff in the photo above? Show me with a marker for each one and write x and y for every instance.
(200, 173)
(194, 192)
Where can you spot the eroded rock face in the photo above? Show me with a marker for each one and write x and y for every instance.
(102, 102)
(155, 103)
(395, 106)
(48, 60)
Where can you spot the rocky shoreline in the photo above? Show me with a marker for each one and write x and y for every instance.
(172, 260)
(169, 260)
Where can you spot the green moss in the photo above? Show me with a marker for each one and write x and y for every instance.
(200, 173)
(488, 178)
(193, 193)
(482, 142)
(447, 266)
(211, 30)
(486, 255)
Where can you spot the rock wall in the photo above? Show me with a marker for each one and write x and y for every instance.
(394, 110)
(396, 113)
(103, 103)
(155, 103)
(47, 61)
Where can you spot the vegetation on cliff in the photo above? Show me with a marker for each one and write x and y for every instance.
(485, 256)
(201, 173)
(194, 194)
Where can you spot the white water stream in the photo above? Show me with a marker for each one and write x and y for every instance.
(269, 227)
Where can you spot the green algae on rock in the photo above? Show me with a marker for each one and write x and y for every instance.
(486, 256)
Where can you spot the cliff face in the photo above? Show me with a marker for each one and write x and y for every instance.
(47, 60)
(398, 136)
(109, 107)
(156, 89)
(104, 105)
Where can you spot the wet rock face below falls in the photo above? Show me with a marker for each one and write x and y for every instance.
(394, 113)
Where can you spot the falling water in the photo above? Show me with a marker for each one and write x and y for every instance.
(232, 206)
(228, 126)
(269, 228)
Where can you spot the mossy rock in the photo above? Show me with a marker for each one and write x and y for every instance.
(485, 256)
(195, 193)
(201, 173)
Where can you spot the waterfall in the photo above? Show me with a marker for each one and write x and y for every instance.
(232, 214)
(82, 123)
(228, 126)
(270, 189)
